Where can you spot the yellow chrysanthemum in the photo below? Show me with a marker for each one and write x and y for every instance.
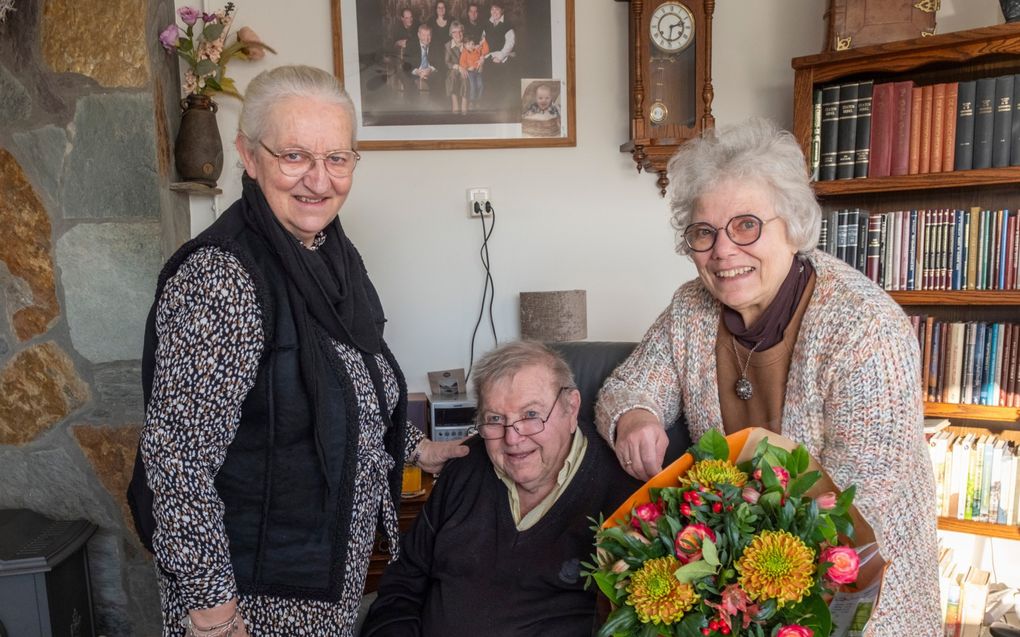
(657, 595)
(776, 565)
(709, 473)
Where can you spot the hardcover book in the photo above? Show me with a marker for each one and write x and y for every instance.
(949, 135)
(882, 110)
(965, 96)
(1002, 121)
(900, 163)
(938, 125)
(846, 138)
(984, 115)
(862, 138)
(1014, 134)
(926, 110)
(829, 133)
(915, 130)
(816, 134)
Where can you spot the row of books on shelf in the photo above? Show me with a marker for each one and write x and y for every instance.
(975, 477)
(963, 592)
(862, 129)
(928, 249)
(971, 363)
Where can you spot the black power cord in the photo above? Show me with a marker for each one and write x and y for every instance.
(489, 287)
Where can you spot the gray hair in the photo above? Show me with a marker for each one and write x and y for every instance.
(268, 88)
(757, 151)
(506, 360)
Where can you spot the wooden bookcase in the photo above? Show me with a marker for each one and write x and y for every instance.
(964, 55)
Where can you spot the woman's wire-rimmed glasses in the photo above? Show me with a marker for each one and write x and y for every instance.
(494, 429)
(295, 162)
(742, 230)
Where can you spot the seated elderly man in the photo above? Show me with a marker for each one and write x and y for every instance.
(497, 548)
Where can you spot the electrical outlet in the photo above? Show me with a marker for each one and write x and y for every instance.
(481, 197)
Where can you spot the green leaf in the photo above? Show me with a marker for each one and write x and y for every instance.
(709, 552)
(766, 610)
(814, 613)
(694, 571)
(622, 620)
(690, 626)
(768, 477)
(649, 630)
(845, 499)
(607, 584)
(212, 31)
(713, 445)
(802, 483)
(184, 44)
(799, 460)
(205, 67)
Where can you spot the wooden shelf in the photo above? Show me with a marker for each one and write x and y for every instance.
(957, 297)
(980, 528)
(972, 412)
(927, 182)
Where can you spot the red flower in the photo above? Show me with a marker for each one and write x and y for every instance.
(750, 495)
(845, 564)
(649, 512)
(826, 501)
(688, 542)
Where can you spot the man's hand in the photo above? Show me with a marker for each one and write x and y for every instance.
(640, 443)
(435, 454)
(401, 43)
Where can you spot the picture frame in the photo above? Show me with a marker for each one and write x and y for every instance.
(409, 95)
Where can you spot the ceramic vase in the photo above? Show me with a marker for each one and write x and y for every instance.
(198, 151)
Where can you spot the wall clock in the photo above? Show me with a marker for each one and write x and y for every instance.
(670, 49)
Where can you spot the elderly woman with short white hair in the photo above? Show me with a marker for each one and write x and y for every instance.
(275, 430)
(776, 334)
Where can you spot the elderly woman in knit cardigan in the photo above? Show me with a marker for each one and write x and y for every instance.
(776, 334)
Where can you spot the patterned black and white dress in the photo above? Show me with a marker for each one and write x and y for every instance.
(209, 325)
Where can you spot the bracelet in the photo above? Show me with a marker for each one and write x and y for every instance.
(219, 630)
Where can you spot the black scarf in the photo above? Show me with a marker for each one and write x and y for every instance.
(328, 286)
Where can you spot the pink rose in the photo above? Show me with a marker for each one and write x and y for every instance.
(795, 630)
(189, 15)
(649, 512)
(845, 564)
(826, 501)
(781, 473)
(750, 495)
(688, 542)
(168, 38)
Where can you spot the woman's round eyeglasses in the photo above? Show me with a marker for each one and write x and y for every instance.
(742, 230)
(295, 162)
(494, 429)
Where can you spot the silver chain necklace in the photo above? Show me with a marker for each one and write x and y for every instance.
(743, 386)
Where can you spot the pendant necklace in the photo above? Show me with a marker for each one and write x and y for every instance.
(743, 386)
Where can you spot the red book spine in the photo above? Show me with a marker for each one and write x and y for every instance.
(915, 131)
(901, 128)
(949, 136)
(1014, 369)
(938, 125)
(1007, 363)
(880, 160)
(926, 108)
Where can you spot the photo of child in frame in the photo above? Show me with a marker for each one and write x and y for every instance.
(540, 108)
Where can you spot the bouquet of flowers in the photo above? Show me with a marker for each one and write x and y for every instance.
(205, 50)
(739, 537)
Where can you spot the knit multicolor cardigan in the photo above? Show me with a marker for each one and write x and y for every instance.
(853, 398)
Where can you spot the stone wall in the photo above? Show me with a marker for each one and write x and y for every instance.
(86, 217)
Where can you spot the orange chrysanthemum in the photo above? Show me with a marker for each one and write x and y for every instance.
(657, 595)
(776, 565)
(709, 473)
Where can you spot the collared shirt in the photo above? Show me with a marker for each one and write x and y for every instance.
(563, 478)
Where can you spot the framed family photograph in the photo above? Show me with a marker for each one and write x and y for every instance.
(437, 74)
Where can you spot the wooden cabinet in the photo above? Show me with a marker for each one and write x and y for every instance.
(409, 509)
(951, 57)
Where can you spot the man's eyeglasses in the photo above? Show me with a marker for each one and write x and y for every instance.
(493, 428)
(295, 162)
(742, 230)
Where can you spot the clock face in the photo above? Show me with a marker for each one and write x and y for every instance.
(658, 113)
(671, 27)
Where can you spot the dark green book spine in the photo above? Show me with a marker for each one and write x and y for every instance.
(862, 139)
(846, 138)
(984, 115)
(964, 159)
(830, 129)
(1002, 121)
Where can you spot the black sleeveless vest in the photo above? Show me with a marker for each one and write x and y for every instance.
(287, 510)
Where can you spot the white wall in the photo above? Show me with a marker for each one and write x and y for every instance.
(566, 217)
